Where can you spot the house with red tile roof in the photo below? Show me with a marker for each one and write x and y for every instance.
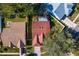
(39, 29)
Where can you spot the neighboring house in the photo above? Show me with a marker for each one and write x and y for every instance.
(60, 10)
(39, 29)
(14, 36)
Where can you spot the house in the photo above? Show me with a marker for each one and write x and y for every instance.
(60, 10)
(14, 36)
(39, 29)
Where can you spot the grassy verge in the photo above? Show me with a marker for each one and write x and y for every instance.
(29, 49)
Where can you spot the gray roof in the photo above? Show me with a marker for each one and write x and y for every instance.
(14, 34)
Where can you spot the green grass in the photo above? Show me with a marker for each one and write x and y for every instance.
(29, 49)
(9, 55)
(9, 50)
(58, 25)
(16, 19)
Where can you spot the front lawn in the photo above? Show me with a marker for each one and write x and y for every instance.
(12, 50)
(9, 55)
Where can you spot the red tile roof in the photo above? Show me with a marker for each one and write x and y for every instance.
(39, 28)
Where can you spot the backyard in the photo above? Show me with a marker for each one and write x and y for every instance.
(16, 19)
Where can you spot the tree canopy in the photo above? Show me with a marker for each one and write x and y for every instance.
(21, 9)
(58, 43)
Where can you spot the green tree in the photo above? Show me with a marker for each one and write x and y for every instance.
(57, 43)
(22, 9)
(7, 9)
